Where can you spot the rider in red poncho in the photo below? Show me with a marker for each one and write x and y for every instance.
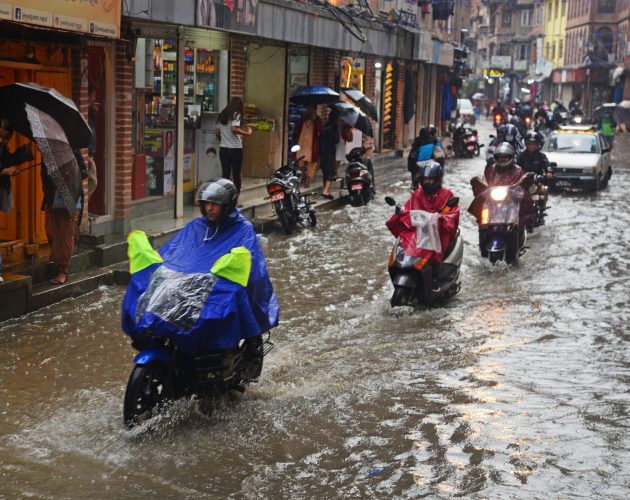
(430, 197)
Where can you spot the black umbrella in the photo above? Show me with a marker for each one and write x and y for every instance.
(57, 155)
(313, 95)
(363, 102)
(352, 116)
(606, 109)
(61, 109)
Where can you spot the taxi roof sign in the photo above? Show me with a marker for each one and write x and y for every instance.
(577, 128)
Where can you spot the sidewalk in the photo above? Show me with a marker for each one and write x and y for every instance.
(26, 287)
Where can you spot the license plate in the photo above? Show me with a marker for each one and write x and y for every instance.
(563, 183)
(277, 196)
(356, 186)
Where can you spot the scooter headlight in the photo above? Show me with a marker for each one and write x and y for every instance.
(499, 193)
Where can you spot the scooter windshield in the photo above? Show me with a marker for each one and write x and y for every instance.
(501, 212)
(175, 297)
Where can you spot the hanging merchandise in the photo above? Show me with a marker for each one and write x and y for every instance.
(443, 9)
(388, 107)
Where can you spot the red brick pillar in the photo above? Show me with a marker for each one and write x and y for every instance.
(237, 66)
(123, 165)
(317, 66)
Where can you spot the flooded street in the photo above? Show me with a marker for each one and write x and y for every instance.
(516, 388)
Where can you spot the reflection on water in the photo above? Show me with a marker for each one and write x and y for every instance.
(515, 388)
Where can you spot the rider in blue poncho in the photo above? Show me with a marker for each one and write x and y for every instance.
(208, 287)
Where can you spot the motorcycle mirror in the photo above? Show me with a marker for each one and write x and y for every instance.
(295, 148)
(452, 202)
(390, 201)
(493, 136)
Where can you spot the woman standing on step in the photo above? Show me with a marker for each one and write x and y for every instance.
(229, 132)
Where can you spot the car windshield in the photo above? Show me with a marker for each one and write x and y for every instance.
(572, 143)
(464, 105)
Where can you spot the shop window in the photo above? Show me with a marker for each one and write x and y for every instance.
(605, 6)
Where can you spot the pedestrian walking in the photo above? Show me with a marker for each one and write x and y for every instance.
(229, 131)
(306, 134)
(329, 138)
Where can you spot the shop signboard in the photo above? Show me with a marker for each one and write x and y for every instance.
(443, 53)
(228, 14)
(501, 62)
(96, 18)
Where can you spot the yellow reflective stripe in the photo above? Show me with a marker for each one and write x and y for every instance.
(140, 252)
(234, 266)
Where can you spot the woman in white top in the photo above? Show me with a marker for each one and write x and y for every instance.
(229, 132)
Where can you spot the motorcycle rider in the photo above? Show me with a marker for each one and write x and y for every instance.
(535, 161)
(505, 172)
(425, 147)
(433, 198)
(223, 242)
(505, 133)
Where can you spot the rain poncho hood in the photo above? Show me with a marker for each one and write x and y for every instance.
(206, 288)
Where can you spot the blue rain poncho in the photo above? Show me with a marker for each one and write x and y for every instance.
(207, 288)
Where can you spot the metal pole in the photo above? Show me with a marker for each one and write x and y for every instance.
(179, 162)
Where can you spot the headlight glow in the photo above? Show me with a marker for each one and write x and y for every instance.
(499, 193)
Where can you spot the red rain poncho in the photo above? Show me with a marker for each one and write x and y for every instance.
(448, 221)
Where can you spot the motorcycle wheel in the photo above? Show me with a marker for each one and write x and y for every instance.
(287, 222)
(145, 393)
(477, 150)
(366, 195)
(511, 253)
(356, 199)
(400, 297)
(494, 257)
(312, 218)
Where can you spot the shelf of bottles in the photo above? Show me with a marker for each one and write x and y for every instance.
(205, 81)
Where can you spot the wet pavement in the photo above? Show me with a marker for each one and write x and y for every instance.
(516, 388)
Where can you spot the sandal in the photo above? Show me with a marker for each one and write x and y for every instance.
(328, 196)
(57, 281)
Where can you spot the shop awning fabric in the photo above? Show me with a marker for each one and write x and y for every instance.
(203, 290)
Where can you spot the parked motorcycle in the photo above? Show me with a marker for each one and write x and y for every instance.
(465, 140)
(412, 276)
(497, 209)
(289, 204)
(359, 179)
(163, 374)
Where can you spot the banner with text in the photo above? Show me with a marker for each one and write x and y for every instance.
(96, 17)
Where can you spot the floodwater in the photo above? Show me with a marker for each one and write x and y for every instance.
(516, 388)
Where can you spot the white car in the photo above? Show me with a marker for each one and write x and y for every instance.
(466, 111)
(582, 158)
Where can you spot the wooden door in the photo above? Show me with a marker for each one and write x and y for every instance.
(8, 220)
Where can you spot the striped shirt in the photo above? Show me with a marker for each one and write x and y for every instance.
(228, 138)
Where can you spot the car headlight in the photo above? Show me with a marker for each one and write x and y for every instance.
(589, 170)
(499, 193)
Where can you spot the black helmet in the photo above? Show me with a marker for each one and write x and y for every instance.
(430, 175)
(432, 130)
(511, 132)
(532, 137)
(221, 191)
(501, 131)
(504, 156)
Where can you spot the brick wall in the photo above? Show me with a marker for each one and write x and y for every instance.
(237, 66)
(123, 164)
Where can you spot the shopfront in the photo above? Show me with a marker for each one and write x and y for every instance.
(200, 59)
(57, 56)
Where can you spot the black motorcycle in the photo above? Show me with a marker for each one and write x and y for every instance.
(359, 178)
(465, 140)
(497, 209)
(163, 374)
(412, 276)
(288, 203)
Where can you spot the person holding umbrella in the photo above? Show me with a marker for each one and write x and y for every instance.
(306, 134)
(328, 140)
(8, 168)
